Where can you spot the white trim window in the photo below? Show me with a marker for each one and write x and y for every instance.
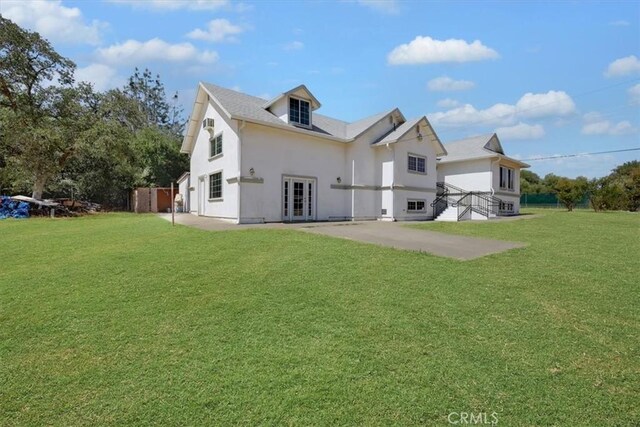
(299, 112)
(507, 176)
(215, 186)
(506, 207)
(417, 164)
(416, 205)
(215, 146)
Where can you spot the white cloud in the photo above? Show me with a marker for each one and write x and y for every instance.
(552, 103)
(136, 52)
(447, 83)
(447, 103)
(521, 131)
(102, 76)
(218, 30)
(53, 21)
(620, 23)
(425, 50)
(175, 4)
(634, 94)
(596, 124)
(294, 45)
(623, 67)
(384, 6)
(530, 105)
(467, 114)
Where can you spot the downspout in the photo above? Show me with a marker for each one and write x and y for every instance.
(492, 162)
(353, 190)
(240, 128)
(393, 176)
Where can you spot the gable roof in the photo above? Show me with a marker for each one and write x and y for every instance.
(315, 104)
(357, 128)
(476, 147)
(240, 106)
(395, 135)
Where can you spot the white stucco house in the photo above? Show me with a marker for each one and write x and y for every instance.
(256, 160)
(479, 165)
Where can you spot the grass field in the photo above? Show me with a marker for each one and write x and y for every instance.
(122, 320)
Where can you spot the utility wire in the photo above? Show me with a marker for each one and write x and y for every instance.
(560, 156)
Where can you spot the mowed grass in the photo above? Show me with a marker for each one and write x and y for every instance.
(121, 319)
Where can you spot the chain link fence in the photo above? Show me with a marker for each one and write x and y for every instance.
(549, 200)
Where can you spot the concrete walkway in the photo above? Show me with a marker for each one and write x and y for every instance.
(390, 234)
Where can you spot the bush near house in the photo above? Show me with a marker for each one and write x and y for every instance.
(117, 319)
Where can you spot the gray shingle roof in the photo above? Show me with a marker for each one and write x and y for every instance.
(474, 147)
(238, 104)
(399, 132)
(356, 128)
(468, 148)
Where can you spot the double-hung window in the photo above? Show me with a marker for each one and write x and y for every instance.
(417, 164)
(507, 176)
(299, 112)
(215, 185)
(415, 205)
(215, 145)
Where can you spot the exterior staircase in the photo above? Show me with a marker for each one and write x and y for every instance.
(449, 214)
(456, 204)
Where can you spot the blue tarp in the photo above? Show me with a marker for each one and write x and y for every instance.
(12, 208)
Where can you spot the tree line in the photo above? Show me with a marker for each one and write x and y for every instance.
(620, 190)
(62, 138)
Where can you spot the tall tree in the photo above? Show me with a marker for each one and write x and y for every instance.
(150, 93)
(158, 141)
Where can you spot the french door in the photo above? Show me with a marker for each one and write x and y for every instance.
(298, 199)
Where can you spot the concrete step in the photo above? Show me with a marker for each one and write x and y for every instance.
(450, 214)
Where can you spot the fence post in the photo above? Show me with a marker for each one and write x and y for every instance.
(173, 208)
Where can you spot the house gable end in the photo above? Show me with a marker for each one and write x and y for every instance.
(494, 145)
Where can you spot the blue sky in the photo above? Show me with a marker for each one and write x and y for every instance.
(550, 77)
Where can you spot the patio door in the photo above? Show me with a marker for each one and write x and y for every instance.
(298, 199)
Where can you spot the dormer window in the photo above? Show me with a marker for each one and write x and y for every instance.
(299, 112)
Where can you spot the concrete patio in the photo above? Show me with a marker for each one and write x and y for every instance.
(390, 234)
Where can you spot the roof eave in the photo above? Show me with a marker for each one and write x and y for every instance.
(192, 127)
(394, 110)
(291, 129)
(444, 160)
(314, 101)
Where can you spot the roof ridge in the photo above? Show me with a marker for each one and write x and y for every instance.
(233, 90)
(484, 135)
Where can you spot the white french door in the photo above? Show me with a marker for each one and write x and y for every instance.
(298, 199)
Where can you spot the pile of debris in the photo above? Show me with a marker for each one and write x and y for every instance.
(23, 207)
(10, 208)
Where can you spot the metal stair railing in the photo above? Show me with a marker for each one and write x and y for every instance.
(482, 203)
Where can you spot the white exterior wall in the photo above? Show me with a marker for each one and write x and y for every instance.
(417, 186)
(364, 167)
(281, 109)
(509, 196)
(473, 175)
(273, 154)
(202, 166)
(481, 175)
(183, 189)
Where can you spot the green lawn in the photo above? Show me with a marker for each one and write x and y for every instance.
(121, 319)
